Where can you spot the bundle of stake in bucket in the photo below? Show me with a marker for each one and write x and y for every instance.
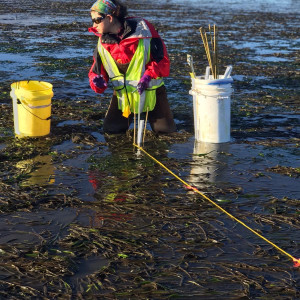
(211, 94)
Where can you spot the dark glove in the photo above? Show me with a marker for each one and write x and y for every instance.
(143, 83)
(99, 81)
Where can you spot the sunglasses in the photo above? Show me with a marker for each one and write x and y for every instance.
(98, 20)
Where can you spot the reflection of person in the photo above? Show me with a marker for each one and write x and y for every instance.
(130, 54)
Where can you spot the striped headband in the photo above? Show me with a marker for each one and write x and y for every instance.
(106, 7)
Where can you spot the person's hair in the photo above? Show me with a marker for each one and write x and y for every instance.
(120, 12)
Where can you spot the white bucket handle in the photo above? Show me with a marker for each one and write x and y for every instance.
(25, 104)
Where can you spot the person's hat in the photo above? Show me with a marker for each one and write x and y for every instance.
(104, 7)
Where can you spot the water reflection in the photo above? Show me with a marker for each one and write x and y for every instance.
(112, 190)
(209, 163)
(120, 180)
(39, 169)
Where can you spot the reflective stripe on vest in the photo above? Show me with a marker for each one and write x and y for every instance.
(126, 85)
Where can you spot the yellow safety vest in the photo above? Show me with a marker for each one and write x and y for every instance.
(125, 85)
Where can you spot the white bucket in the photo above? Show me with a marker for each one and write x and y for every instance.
(211, 104)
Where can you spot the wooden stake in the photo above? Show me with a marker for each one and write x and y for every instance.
(209, 56)
(216, 50)
(212, 46)
(205, 43)
(145, 126)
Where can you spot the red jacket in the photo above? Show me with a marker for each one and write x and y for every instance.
(122, 49)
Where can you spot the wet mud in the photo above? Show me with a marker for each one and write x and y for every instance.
(85, 216)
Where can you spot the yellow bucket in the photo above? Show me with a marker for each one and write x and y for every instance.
(32, 107)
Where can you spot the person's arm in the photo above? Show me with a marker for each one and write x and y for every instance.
(97, 70)
(159, 65)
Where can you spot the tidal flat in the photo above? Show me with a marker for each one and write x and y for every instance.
(85, 216)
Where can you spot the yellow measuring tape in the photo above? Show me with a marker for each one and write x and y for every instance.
(295, 260)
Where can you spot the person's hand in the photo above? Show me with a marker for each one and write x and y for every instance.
(143, 83)
(99, 81)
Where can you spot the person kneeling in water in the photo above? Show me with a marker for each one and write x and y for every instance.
(131, 54)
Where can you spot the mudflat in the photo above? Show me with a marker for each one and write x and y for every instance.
(83, 215)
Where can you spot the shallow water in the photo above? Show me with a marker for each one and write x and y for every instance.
(286, 6)
(107, 220)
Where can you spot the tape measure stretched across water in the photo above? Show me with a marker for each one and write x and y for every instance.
(295, 260)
